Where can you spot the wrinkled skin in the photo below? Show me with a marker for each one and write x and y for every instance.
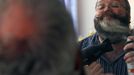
(36, 38)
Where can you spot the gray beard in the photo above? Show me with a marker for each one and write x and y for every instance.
(112, 29)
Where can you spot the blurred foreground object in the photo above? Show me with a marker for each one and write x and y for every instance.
(36, 38)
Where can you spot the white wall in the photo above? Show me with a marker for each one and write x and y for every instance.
(132, 13)
(86, 11)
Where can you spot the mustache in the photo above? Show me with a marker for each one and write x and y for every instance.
(123, 19)
(114, 26)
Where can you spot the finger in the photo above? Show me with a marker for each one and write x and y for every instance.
(100, 71)
(128, 55)
(131, 37)
(92, 65)
(96, 68)
(129, 46)
(129, 60)
(93, 71)
(86, 68)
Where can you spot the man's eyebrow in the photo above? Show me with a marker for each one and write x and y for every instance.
(99, 2)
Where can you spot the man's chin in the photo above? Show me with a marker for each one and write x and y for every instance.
(118, 41)
(115, 39)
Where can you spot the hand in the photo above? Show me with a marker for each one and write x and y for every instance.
(129, 57)
(94, 69)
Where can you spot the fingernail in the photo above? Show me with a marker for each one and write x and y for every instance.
(125, 58)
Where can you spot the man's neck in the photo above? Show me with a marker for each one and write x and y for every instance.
(118, 46)
(117, 50)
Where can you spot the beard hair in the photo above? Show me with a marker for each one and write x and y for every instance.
(115, 29)
(113, 26)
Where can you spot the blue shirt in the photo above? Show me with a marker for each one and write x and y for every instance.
(117, 67)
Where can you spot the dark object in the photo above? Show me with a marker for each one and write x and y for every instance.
(91, 53)
(130, 49)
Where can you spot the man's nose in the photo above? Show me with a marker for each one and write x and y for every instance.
(107, 8)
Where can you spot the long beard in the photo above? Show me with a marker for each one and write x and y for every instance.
(116, 28)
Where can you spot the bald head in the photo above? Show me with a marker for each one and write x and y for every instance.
(38, 34)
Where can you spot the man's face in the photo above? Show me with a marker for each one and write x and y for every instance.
(105, 7)
(111, 19)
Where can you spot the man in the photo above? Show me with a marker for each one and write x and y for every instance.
(111, 21)
(36, 38)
